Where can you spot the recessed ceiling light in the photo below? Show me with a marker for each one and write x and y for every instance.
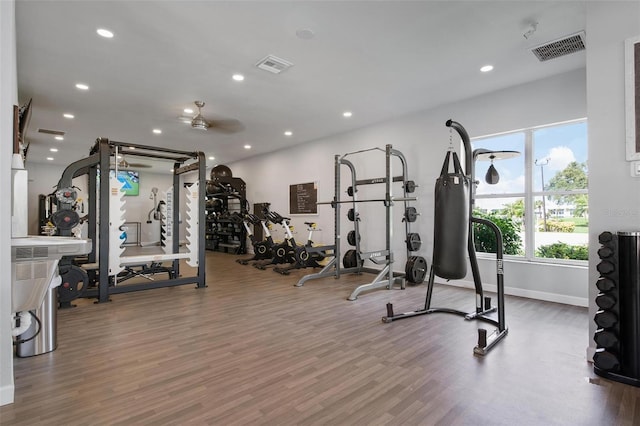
(119, 157)
(53, 149)
(82, 86)
(247, 147)
(188, 111)
(67, 115)
(486, 68)
(49, 158)
(157, 131)
(132, 147)
(59, 138)
(212, 158)
(238, 77)
(104, 33)
(171, 170)
(347, 114)
(288, 133)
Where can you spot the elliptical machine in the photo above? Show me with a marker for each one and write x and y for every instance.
(262, 250)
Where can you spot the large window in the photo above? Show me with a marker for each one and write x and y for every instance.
(540, 201)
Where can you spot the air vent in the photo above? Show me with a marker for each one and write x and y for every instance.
(274, 64)
(561, 47)
(51, 132)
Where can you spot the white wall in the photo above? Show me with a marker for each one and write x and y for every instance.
(424, 139)
(613, 193)
(8, 97)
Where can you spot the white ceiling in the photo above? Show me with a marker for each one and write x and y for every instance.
(378, 59)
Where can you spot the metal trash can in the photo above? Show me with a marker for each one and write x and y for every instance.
(46, 340)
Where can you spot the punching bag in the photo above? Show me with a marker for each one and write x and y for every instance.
(451, 221)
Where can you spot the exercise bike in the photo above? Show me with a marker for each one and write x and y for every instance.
(303, 258)
(262, 250)
(282, 252)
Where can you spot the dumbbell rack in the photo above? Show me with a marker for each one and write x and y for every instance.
(618, 318)
(354, 258)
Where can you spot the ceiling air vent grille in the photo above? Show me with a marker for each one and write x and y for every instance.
(274, 64)
(564, 46)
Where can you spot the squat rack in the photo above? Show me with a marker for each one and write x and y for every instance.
(483, 304)
(98, 232)
(385, 278)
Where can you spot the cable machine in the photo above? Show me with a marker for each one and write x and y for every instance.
(353, 261)
(106, 260)
(483, 304)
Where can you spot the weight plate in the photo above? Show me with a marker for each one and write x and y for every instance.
(351, 238)
(410, 186)
(74, 283)
(65, 219)
(350, 191)
(410, 214)
(351, 259)
(352, 215)
(413, 241)
(415, 269)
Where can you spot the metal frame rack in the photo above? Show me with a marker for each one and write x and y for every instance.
(99, 159)
(385, 278)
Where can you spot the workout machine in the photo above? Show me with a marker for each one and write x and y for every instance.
(303, 258)
(107, 263)
(353, 261)
(262, 250)
(483, 304)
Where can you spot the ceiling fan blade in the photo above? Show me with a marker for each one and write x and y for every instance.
(227, 126)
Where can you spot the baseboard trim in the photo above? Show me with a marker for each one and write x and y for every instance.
(530, 294)
(6, 394)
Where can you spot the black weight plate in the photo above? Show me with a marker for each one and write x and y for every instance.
(410, 214)
(413, 241)
(74, 283)
(65, 219)
(415, 269)
(350, 191)
(351, 238)
(352, 215)
(410, 186)
(351, 259)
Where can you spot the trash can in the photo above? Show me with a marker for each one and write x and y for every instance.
(46, 339)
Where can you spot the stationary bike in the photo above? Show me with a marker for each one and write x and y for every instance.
(303, 259)
(282, 252)
(262, 249)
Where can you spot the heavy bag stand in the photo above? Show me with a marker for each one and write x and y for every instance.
(483, 304)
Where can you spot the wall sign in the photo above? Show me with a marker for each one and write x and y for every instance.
(632, 96)
(303, 198)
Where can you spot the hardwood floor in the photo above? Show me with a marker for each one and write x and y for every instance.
(253, 349)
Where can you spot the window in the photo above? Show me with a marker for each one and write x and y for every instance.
(540, 201)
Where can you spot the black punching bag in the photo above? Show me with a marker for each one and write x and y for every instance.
(451, 221)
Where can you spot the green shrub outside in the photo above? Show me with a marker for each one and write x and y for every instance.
(485, 239)
(557, 226)
(563, 251)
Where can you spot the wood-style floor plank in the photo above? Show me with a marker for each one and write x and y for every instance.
(253, 349)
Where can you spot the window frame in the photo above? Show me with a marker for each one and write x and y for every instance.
(529, 195)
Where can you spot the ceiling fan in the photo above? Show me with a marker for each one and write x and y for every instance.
(199, 122)
(124, 164)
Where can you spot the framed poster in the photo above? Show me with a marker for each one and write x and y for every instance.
(632, 96)
(303, 198)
